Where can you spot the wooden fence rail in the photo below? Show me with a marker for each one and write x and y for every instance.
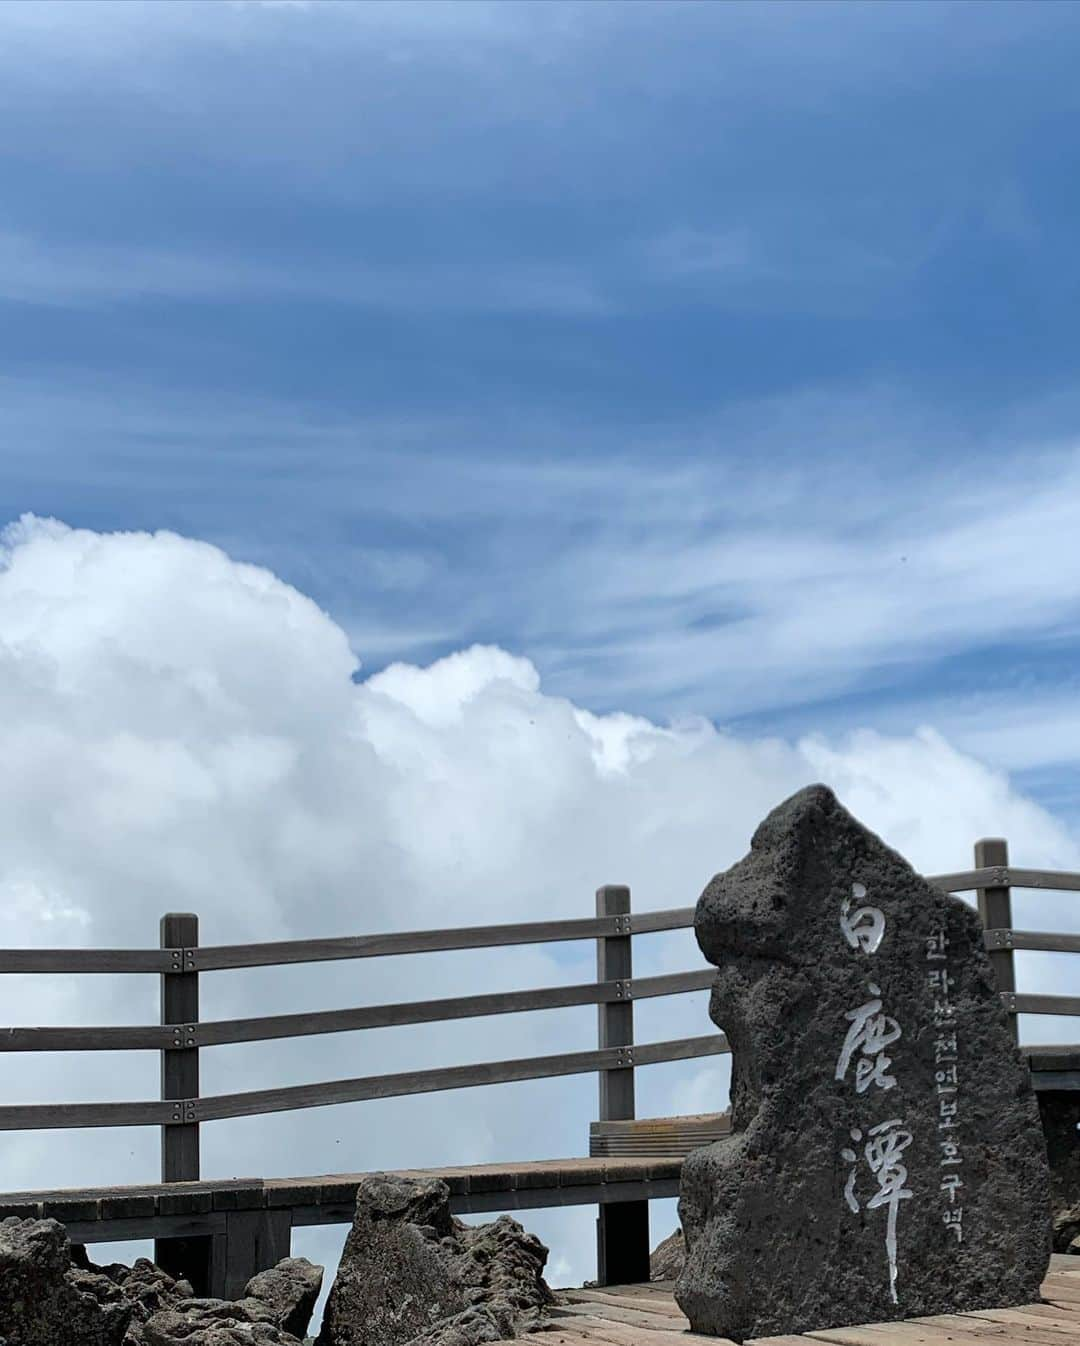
(213, 1108)
(177, 960)
(180, 960)
(214, 1034)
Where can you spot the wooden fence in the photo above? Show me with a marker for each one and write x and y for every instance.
(181, 1036)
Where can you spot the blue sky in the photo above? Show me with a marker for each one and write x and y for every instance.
(687, 362)
(460, 316)
(719, 359)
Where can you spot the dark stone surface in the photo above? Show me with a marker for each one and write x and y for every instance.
(786, 1220)
(149, 1290)
(215, 1322)
(275, 1309)
(290, 1290)
(1067, 1230)
(45, 1300)
(413, 1275)
(51, 1294)
(668, 1258)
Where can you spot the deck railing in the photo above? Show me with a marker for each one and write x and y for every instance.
(181, 1035)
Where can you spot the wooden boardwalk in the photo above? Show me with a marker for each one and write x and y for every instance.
(647, 1315)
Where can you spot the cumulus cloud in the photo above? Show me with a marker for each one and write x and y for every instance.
(184, 732)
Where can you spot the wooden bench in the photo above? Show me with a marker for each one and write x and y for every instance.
(644, 1137)
(1054, 1069)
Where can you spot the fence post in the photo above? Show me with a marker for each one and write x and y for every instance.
(181, 1257)
(622, 1228)
(995, 909)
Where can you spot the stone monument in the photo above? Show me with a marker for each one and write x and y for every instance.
(886, 1158)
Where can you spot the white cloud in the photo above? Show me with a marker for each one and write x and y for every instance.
(33, 270)
(777, 587)
(182, 732)
(849, 546)
(437, 696)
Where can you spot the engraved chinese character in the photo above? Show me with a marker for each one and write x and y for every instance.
(863, 928)
(884, 1146)
(870, 1033)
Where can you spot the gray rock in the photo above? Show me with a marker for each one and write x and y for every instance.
(275, 1311)
(886, 1159)
(44, 1300)
(1066, 1230)
(52, 1295)
(222, 1322)
(471, 1327)
(413, 1275)
(668, 1257)
(290, 1290)
(210, 1327)
(149, 1290)
(144, 1285)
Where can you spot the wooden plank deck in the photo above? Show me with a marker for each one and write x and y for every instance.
(647, 1315)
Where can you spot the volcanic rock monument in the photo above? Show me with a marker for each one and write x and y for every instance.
(886, 1159)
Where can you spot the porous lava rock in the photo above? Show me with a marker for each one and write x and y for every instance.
(145, 1286)
(45, 1300)
(668, 1257)
(215, 1322)
(275, 1310)
(51, 1293)
(290, 1290)
(886, 1158)
(413, 1275)
(1067, 1230)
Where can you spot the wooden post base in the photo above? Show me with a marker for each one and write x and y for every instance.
(622, 1243)
(186, 1259)
(254, 1240)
